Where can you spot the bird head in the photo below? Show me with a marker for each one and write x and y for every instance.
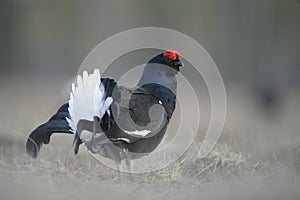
(169, 58)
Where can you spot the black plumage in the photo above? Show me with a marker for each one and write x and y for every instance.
(41, 135)
(131, 113)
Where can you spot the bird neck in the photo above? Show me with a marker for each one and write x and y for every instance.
(159, 74)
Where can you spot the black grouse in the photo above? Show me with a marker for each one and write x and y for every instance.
(115, 121)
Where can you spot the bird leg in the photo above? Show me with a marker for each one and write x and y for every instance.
(129, 163)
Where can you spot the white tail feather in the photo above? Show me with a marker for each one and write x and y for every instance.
(87, 99)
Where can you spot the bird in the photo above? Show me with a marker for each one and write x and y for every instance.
(116, 122)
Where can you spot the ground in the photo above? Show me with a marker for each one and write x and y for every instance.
(257, 156)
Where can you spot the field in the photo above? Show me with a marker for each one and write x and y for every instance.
(257, 156)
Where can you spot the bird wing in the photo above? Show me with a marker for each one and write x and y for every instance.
(131, 114)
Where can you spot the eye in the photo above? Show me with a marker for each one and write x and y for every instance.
(167, 59)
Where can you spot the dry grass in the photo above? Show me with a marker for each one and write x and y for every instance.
(259, 161)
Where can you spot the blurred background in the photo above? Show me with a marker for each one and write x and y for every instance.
(255, 44)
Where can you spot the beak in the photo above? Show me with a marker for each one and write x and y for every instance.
(179, 64)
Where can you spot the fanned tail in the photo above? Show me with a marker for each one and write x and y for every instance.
(87, 99)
